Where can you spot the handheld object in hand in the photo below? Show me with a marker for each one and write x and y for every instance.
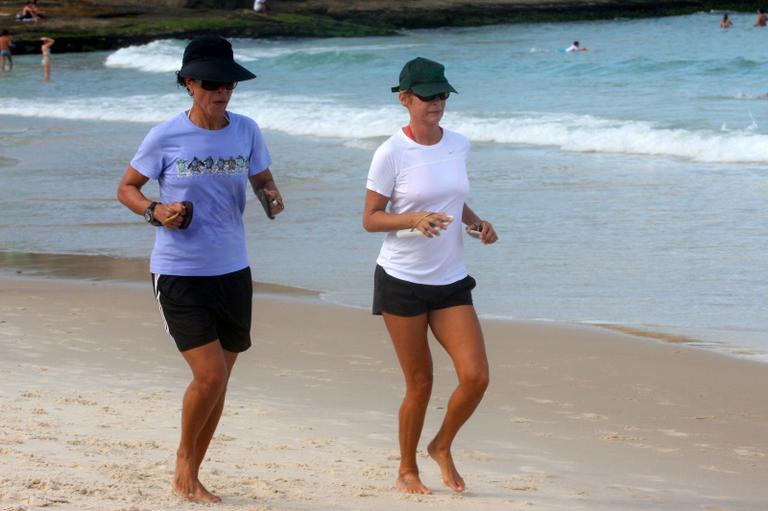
(265, 203)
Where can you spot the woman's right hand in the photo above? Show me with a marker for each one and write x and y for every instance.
(170, 215)
(430, 224)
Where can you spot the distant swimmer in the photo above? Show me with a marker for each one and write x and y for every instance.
(761, 18)
(575, 47)
(725, 22)
(45, 50)
(6, 43)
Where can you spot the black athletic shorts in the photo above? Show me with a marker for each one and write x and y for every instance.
(403, 298)
(199, 310)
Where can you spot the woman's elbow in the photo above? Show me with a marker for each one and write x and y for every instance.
(369, 224)
(120, 195)
(123, 195)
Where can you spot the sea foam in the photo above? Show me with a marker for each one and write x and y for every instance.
(164, 56)
(325, 117)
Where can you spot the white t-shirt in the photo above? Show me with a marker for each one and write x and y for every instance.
(417, 177)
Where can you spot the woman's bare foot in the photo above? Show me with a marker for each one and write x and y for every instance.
(204, 495)
(186, 485)
(198, 494)
(409, 482)
(451, 476)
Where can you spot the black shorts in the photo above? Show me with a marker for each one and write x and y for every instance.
(199, 310)
(403, 298)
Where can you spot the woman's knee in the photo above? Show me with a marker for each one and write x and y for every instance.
(476, 380)
(213, 381)
(420, 383)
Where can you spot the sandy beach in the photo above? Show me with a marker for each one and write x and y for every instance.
(575, 419)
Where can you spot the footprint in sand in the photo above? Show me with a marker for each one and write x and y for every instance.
(748, 452)
(589, 416)
(476, 455)
(527, 384)
(79, 400)
(540, 401)
(712, 468)
(673, 433)
(527, 483)
(612, 436)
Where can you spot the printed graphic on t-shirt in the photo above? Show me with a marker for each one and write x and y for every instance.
(221, 167)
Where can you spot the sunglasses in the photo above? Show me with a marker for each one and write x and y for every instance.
(442, 97)
(214, 86)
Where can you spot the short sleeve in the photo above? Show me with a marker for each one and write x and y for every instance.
(381, 175)
(259, 160)
(148, 160)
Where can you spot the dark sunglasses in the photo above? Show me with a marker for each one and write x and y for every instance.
(214, 86)
(442, 97)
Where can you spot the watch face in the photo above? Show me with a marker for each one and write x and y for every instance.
(148, 212)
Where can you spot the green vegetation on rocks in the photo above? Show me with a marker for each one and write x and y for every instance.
(117, 29)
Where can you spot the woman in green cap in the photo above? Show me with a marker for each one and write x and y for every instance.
(417, 186)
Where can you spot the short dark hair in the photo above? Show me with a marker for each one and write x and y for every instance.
(575, 43)
(5, 32)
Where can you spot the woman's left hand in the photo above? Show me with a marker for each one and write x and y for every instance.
(487, 232)
(171, 215)
(276, 205)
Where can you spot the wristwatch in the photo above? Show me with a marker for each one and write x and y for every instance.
(149, 214)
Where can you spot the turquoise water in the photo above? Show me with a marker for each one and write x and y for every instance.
(628, 183)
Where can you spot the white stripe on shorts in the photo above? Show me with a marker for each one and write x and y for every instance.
(156, 280)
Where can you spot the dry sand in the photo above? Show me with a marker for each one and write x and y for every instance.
(575, 418)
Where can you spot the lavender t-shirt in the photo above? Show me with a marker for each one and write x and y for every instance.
(211, 169)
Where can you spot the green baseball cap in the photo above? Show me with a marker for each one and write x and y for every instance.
(424, 77)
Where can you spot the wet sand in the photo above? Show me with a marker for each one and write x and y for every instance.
(576, 418)
(103, 267)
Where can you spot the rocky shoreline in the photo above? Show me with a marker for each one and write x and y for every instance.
(84, 26)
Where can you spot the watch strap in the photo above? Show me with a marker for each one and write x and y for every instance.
(149, 214)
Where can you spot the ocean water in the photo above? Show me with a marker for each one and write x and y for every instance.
(628, 183)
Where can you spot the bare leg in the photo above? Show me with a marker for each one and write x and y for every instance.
(210, 374)
(204, 439)
(409, 337)
(458, 330)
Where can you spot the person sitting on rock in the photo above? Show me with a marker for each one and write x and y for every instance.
(31, 12)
